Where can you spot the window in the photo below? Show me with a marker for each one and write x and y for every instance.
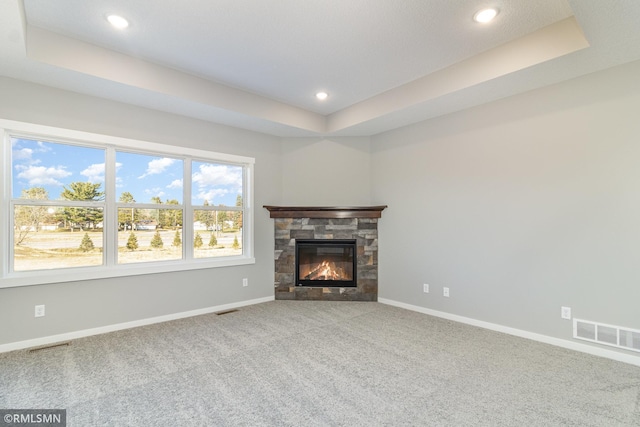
(82, 206)
(216, 195)
(53, 207)
(150, 209)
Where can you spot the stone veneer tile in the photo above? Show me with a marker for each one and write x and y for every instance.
(302, 234)
(363, 230)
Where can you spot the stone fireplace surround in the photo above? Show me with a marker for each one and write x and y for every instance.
(303, 222)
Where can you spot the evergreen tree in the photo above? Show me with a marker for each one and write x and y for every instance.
(213, 241)
(221, 218)
(160, 215)
(237, 216)
(132, 242)
(83, 191)
(197, 241)
(206, 217)
(127, 216)
(177, 241)
(235, 245)
(173, 217)
(156, 241)
(87, 244)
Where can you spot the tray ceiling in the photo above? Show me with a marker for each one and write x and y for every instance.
(257, 64)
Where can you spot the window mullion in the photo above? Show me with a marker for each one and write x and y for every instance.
(110, 221)
(6, 221)
(187, 213)
(247, 211)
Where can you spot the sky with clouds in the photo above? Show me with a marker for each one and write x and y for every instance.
(54, 166)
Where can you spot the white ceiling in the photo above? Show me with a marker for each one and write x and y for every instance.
(256, 64)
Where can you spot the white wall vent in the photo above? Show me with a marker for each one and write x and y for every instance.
(615, 336)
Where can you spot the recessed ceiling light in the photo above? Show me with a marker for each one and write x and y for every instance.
(118, 21)
(485, 15)
(322, 95)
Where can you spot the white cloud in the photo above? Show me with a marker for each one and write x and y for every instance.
(40, 175)
(94, 173)
(22, 154)
(157, 166)
(218, 175)
(119, 182)
(175, 184)
(154, 192)
(211, 195)
(44, 147)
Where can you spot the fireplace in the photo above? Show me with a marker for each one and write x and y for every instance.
(326, 253)
(321, 262)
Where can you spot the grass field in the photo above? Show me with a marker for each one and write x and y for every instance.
(61, 249)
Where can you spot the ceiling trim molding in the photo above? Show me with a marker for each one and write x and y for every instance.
(61, 51)
(548, 43)
(551, 42)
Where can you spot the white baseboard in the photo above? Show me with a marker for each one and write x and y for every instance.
(39, 342)
(584, 348)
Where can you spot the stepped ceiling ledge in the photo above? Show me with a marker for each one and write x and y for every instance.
(383, 66)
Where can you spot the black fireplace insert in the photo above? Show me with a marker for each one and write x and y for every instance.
(326, 263)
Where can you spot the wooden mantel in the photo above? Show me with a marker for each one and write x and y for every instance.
(325, 211)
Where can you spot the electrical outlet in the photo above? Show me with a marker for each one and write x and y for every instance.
(245, 282)
(445, 292)
(565, 312)
(425, 288)
(39, 312)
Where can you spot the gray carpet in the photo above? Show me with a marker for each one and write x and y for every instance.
(303, 363)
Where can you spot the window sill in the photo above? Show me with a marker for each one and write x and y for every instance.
(43, 277)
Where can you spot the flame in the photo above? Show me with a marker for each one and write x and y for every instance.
(328, 272)
(325, 271)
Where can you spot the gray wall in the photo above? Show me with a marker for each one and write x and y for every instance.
(326, 171)
(81, 305)
(519, 207)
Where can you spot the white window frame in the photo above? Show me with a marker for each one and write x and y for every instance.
(110, 269)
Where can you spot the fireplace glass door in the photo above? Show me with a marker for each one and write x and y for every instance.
(325, 263)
